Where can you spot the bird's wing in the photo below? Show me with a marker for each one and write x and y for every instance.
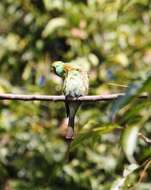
(69, 67)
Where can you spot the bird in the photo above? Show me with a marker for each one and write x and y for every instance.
(75, 84)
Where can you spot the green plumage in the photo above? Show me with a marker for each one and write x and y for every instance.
(75, 85)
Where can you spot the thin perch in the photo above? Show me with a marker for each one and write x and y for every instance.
(23, 97)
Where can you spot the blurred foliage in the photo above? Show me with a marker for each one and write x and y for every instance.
(113, 39)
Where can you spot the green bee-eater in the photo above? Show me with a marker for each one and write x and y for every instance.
(75, 84)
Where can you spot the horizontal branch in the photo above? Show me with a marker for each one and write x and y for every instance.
(105, 97)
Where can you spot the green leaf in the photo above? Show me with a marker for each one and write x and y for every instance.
(53, 25)
(90, 134)
(133, 112)
(132, 92)
(123, 182)
(53, 4)
(146, 85)
(133, 2)
(128, 141)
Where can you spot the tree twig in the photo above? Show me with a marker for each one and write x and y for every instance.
(144, 138)
(105, 97)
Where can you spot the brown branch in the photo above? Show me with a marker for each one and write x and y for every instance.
(144, 138)
(105, 97)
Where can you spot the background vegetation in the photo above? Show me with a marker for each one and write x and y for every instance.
(111, 37)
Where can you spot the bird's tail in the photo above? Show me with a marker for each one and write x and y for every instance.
(69, 137)
(70, 129)
(71, 108)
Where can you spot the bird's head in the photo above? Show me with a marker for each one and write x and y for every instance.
(58, 67)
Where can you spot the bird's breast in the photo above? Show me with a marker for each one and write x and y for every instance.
(75, 84)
